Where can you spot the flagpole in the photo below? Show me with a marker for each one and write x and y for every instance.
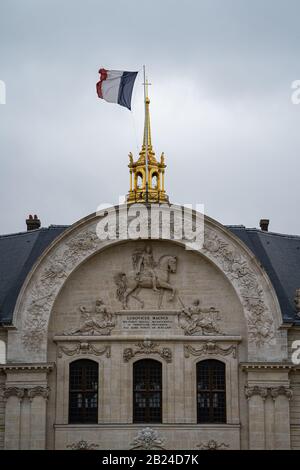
(146, 134)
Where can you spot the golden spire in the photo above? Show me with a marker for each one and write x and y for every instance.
(147, 172)
(147, 127)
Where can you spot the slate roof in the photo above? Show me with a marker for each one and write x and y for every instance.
(278, 254)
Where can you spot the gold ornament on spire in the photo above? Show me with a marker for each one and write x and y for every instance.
(140, 169)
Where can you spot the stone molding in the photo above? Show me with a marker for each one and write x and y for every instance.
(265, 391)
(27, 367)
(266, 366)
(147, 347)
(210, 347)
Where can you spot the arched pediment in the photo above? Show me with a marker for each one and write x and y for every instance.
(80, 242)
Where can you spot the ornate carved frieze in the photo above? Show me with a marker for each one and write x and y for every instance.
(148, 274)
(236, 267)
(82, 445)
(196, 320)
(147, 439)
(46, 287)
(212, 445)
(265, 391)
(210, 347)
(83, 348)
(147, 347)
(98, 322)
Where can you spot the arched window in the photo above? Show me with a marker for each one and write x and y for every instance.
(211, 392)
(147, 391)
(154, 181)
(2, 352)
(139, 178)
(83, 392)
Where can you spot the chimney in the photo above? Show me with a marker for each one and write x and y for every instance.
(33, 222)
(264, 224)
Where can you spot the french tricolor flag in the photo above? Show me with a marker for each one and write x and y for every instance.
(115, 86)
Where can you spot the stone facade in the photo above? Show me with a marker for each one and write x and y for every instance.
(86, 299)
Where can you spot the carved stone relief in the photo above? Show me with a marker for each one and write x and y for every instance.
(235, 266)
(196, 320)
(97, 322)
(148, 274)
(82, 445)
(210, 347)
(212, 445)
(43, 293)
(147, 347)
(147, 439)
(83, 348)
(42, 289)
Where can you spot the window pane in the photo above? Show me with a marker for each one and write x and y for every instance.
(211, 392)
(83, 396)
(147, 391)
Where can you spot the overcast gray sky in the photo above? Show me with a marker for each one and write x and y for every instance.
(221, 110)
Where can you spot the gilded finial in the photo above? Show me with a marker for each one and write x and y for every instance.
(138, 169)
(130, 158)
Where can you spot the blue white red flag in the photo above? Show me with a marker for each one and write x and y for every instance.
(115, 86)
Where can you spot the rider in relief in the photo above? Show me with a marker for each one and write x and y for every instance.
(144, 264)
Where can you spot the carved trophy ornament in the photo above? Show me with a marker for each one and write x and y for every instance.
(147, 274)
(147, 439)
(196, 320)
(97, 322)
(297, 301)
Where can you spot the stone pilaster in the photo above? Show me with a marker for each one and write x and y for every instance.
(281, 396)
(256, 403)
(38, 397)
(13, 397)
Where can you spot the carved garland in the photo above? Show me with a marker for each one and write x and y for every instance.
(83, 348)
(147, 347)
(210, 347)
(85, 243)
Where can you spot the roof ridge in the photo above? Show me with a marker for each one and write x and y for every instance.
(264, 232)
(26, 232)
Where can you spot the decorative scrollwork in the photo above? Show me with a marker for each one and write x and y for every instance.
(82, 445)
(147, 347)
(212, 445)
